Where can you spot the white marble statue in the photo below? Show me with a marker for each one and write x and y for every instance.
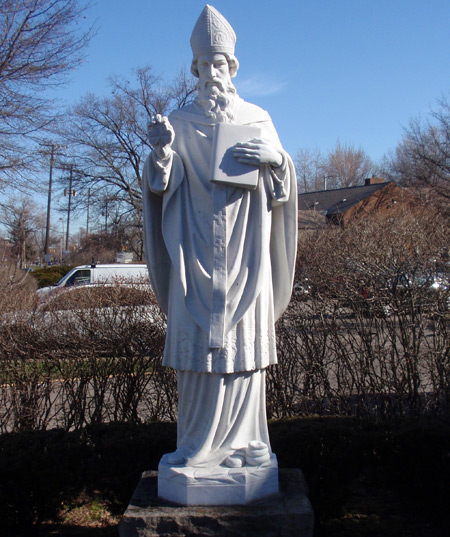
(221, 259)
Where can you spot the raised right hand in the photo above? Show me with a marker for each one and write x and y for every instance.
(161, 136)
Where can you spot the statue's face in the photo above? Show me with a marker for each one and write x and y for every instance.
(213, 66)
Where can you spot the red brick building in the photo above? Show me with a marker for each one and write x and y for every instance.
(339, 206)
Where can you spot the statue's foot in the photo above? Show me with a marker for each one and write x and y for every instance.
(234, 461)
(257, 454)
(175, 458)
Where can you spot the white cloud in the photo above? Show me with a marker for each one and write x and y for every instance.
(259, 85)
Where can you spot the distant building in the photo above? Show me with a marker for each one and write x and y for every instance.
(339, 206)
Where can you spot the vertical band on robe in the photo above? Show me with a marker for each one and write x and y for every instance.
(219, 276)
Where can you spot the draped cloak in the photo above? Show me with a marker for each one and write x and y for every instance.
(221, 258)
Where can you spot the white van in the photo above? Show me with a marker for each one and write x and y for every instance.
(100, 274)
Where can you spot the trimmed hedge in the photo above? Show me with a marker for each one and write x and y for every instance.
(366, 478)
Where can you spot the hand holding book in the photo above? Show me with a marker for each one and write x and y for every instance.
(257, 152)
(238, 153)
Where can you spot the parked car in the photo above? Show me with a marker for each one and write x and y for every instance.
(101, 274)
(426, 290)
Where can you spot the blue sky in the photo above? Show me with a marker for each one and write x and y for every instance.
(326, 70)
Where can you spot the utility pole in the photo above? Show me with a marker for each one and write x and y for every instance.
(106, 216)
(49, 202)
(88, 209)
(53, 147)
(70, 193)
(61, 240)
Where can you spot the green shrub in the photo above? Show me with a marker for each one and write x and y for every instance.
(46, 276)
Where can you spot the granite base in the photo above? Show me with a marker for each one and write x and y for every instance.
(287, 514)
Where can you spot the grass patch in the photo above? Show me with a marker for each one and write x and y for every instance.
(366, 478)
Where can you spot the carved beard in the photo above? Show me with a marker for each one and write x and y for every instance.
(217, 99)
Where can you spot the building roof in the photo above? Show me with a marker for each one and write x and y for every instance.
(338, 201)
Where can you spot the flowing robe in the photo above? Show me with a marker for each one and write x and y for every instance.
(221, 262)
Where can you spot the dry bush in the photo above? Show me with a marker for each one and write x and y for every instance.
(371, 335)
(90, 355)
(17, 289)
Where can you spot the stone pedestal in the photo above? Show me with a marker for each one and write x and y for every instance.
(218, 485)
(286, 514)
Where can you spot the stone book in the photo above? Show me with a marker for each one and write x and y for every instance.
(224, 167)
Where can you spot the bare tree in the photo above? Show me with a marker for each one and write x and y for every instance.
(40, 43)
(347, 166)
(422, 158)
(108, 136)
(309, 169)
(22, 222)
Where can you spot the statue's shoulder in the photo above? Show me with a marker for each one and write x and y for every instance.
(247, 113)
(190, 112)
